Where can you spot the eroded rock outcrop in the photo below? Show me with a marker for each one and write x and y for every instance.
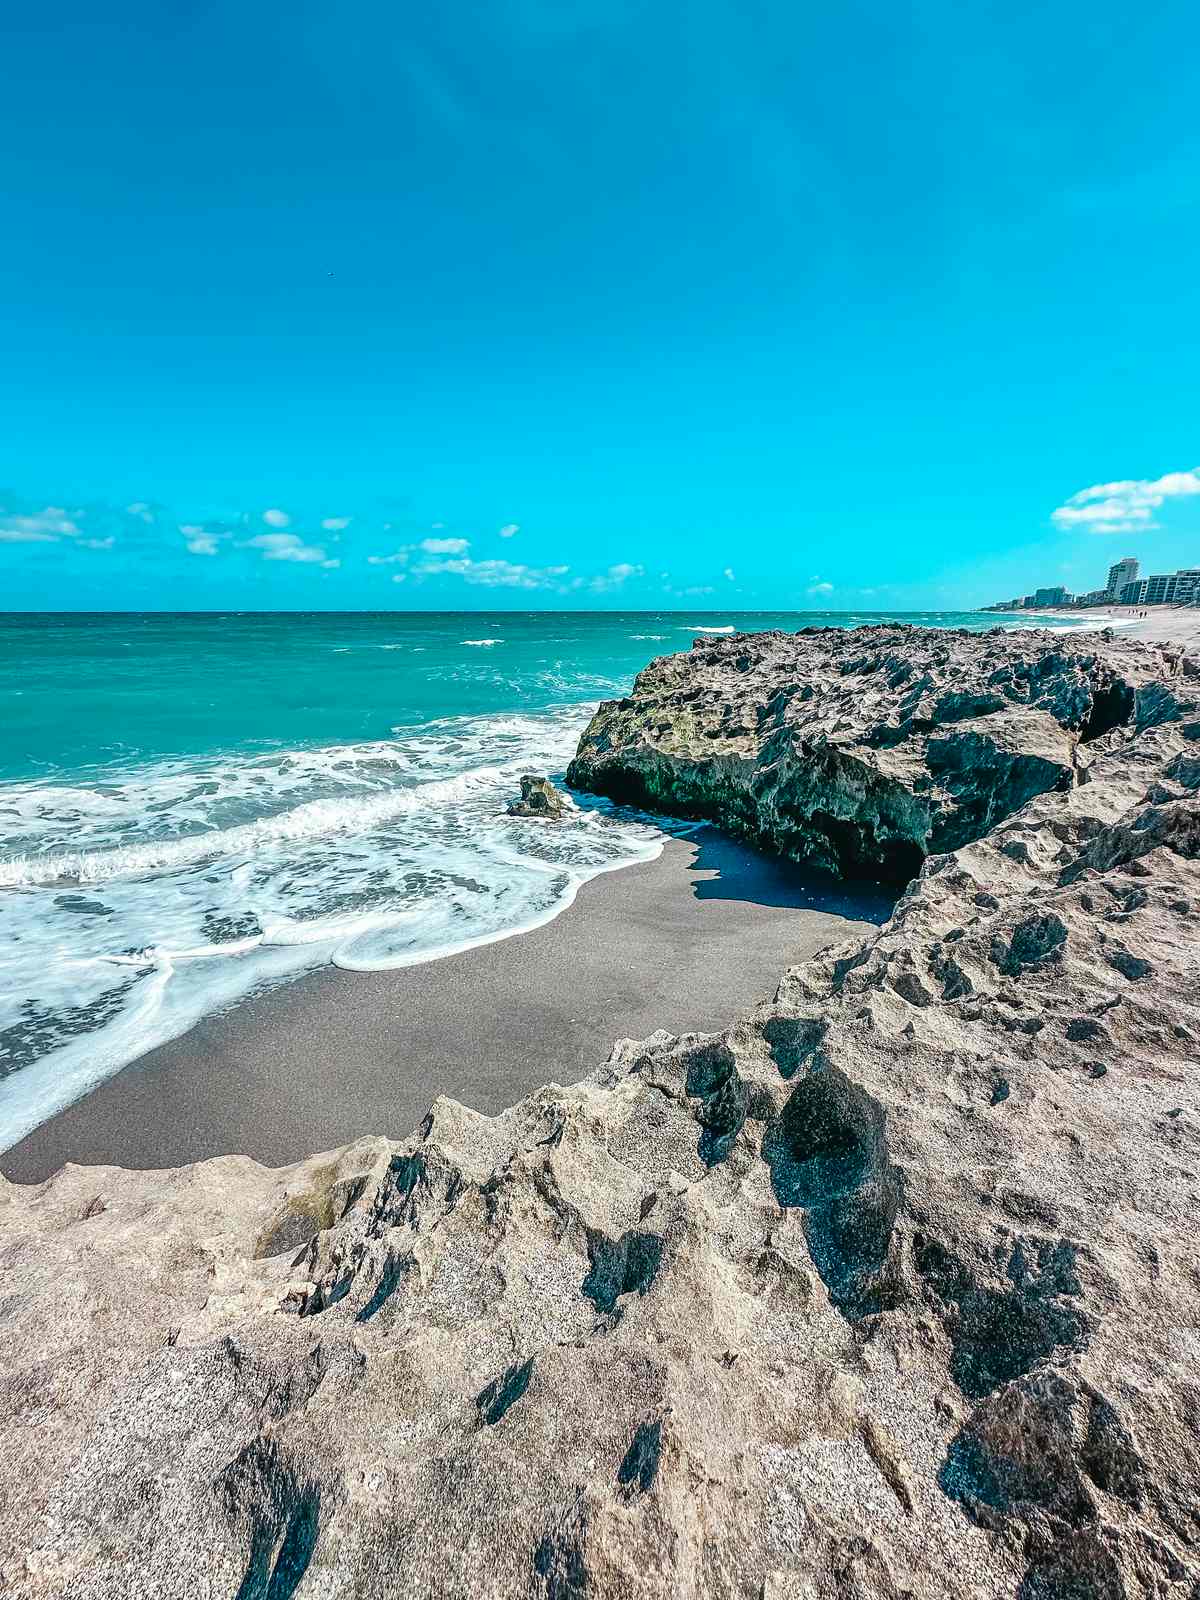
(892, 1289)
(866, 750)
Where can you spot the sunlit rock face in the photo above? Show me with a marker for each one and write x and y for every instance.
(538, 798)
(891, 1289)
(865, 750)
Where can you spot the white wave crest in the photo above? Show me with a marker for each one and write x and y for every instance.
(141, 902)
(347, 814)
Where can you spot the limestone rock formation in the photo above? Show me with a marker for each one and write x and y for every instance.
(864, 750)
(539, 798)
(891, 1289)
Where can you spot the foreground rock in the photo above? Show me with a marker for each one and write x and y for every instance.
(539, 798)
(891, 1289)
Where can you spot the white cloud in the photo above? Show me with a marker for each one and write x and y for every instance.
(335, 562)
(445, 547)
(273, 541)
(818, 588)
(615, 577)
(16, 535)
(1127, 506)
(335, 524)
(140, 509)
(275, 518)
(494, 574)
(448, 558)
(509, 529)
(41, 527)
(286, 547)
(55, 525)
(199, 540)
(728, 573)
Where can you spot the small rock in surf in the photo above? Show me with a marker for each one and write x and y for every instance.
(539, 798)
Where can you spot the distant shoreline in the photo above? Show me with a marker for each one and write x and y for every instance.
(1160, 625)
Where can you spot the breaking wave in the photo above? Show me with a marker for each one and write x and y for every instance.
(139, 903)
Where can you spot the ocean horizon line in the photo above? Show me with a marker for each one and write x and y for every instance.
(512, 611)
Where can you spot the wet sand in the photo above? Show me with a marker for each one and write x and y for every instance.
(686, 943)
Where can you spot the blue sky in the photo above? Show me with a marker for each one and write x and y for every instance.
(577, 304)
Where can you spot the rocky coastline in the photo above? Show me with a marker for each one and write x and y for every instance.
(890, 1289)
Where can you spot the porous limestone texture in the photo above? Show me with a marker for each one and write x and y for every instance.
(864, 750)
(892, 1289)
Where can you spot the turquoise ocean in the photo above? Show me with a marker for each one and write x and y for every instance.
(192, 806)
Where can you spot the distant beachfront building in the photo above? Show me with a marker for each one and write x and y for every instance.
(1172, 588)
(1120, 573)
(1180, 588)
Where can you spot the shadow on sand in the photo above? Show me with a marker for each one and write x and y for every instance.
(728, 869)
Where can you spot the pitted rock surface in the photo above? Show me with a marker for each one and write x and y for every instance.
(864, 750)
(892, 1289)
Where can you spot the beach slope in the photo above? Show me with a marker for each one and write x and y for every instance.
(684, 942)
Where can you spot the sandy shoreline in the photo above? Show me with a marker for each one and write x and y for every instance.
(1171, 625)
(685, 942)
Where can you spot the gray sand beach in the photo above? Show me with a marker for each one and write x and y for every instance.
(685, 942)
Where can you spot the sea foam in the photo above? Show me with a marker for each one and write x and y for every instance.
(141, 903)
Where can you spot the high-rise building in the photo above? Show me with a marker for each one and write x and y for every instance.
(1172, 588)
(1160, 589)
(1180, 588)
(1120, 573)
